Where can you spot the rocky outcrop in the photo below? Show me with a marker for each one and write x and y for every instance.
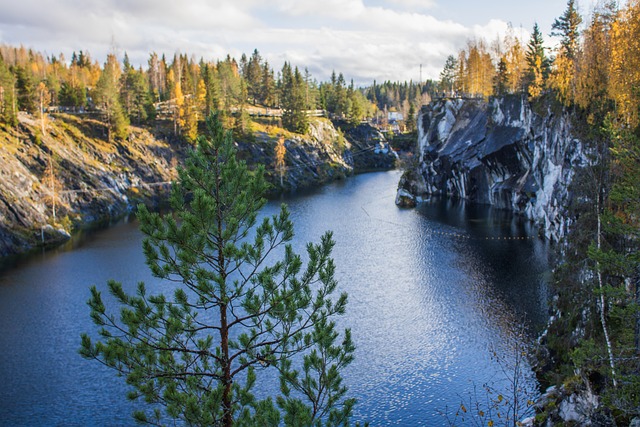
(500, 153)
(315, 158)
(73, 170)
(569, 404)
(322, 155)
(369, 148)
(71, 177)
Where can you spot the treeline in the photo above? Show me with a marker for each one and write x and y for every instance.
(504, 66)
(402, 97)
(184, 91)
(595, 73)
(509, 65)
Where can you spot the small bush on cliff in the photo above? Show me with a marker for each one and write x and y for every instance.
(236, 314)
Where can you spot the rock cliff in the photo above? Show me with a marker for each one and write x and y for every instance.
(73, 170)
(324, 154)
(500, 153)
(75, 173)
(369, 148)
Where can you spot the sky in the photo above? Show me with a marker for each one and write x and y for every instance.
(366, 40)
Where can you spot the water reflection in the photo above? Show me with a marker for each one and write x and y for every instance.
(425, 306)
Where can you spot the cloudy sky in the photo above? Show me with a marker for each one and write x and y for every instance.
(364, 39)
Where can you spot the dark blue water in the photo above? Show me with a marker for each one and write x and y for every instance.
(432, 291)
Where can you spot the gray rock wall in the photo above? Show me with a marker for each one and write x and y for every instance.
(500, 153)
(100, 180)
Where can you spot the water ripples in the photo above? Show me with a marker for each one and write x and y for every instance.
(425, 307)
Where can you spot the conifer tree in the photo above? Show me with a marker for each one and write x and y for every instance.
(501, 79)
(411, 118)
(236, 313)
(211, 100)
(25, 89)
(135, 95)
(268, 95)
(107, 98)
(567, 27)
(449, 74)
(294, 115)
(253, 77)
(538, 64)
(229, 84)
(8, 111)
(72, 95)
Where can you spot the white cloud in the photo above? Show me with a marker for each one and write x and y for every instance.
(335, 9)
(416, 5)
(364, 39)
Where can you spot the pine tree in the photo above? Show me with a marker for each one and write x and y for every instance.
(229, 84)
(411, 118)
(448, 76)
(567, 27)
(135, 96)
(341, 104)
(294, 115)
(501, 79)
(537, 62)
(107, 98)
(253, 77)
(25, 89)
(268, 95)
(236, 313)
(8, 102)
(72, 95)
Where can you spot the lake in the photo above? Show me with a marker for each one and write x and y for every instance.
(433, 292)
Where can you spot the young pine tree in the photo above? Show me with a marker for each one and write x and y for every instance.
(236, 312)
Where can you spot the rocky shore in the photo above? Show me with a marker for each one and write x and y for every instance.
(70, 177)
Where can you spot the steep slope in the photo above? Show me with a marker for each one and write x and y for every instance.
(73, 170)
(324, 154)
(71, 177)
(500, 153)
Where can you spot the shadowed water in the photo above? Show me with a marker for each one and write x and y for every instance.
(431, 292)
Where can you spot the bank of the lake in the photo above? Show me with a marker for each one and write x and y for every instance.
(431, 292)
(71, 176)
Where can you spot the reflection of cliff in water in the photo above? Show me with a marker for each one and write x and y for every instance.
(501, 246)
(478, 220)
(502, 152)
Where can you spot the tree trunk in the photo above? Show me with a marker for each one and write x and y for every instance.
(603, 319)
(637, 332)
(53, 189)
(227, 419)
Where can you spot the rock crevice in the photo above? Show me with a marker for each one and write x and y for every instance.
(499, 152)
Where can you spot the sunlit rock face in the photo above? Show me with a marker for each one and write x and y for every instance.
(500, 153)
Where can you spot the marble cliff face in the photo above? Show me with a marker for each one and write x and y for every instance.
(500, 153)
